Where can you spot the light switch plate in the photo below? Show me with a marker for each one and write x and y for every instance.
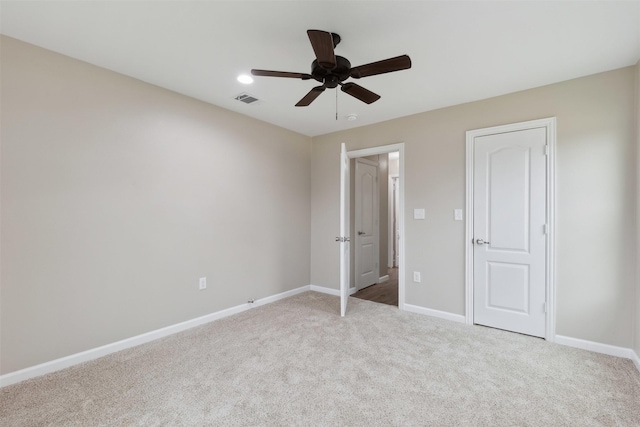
(418, 214)
(457, 214)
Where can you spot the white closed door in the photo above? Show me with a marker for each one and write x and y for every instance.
(366, 223)
(509, 231)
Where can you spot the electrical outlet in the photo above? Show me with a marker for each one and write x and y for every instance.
(416, 276)
(203, 283)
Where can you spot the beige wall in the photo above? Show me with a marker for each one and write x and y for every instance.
(596, 198)
(118, 195)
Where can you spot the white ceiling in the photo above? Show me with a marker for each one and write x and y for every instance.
(461, 51)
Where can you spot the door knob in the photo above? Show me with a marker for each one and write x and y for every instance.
(481, 242)
(360, 233)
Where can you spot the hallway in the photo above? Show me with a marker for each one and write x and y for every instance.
(384, 293)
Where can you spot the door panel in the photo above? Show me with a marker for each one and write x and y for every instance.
(509, 216)
(366, 197)
(366, 223)
(508, 287)
(367, 254)
(508, 171)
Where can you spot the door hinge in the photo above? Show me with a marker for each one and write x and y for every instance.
(545, 229)
(546, 150)
(343, 239)
(544, 307)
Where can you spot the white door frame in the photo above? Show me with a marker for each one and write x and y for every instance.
(344, 226)
(376, 216)
(393, 220)
(550, 125)
(384, 149)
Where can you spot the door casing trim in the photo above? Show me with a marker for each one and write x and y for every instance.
(550, 125)
(384, 149)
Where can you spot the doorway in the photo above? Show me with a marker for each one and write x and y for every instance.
(384, 289)
(388, 284)
(510, 227)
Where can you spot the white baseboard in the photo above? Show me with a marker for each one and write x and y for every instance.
(95, 353)
(610, 350)
(636, 360)
(282, 295)
(435, 313)
(325, 290)
(330, 291)
(597, 347)
(383, 278)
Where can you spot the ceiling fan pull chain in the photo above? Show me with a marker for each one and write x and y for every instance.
(336, 105)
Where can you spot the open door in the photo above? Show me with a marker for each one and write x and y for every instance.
(344, 229)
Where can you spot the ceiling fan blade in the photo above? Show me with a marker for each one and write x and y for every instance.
(311, 96)
(267, 73)
(398, 63)
(322, 43)
(357, 91)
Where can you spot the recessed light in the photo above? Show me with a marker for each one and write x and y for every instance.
(352, 117)
(243, 78)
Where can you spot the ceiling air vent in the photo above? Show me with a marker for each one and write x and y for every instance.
(247, 99)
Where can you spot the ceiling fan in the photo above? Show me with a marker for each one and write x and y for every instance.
(332, 70)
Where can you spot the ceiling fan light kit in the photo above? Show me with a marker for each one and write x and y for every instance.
(245, 79)
(332, 70)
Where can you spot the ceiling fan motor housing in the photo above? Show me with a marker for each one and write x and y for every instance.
(331, 77)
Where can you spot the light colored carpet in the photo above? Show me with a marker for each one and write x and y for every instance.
(296, 362)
